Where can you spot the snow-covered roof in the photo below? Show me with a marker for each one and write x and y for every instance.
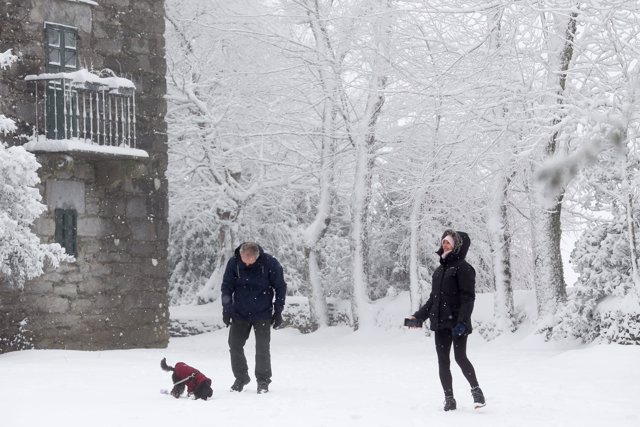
(79, 145)
(85, 76)
(91, 2)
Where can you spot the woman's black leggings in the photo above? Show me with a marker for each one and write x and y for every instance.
(444, 339)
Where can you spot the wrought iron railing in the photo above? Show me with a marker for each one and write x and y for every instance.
(95, 108)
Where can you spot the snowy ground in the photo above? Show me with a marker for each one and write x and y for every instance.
(330, 378)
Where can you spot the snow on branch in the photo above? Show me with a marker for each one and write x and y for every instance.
(6, 59)
(6, 125)
(556, 173)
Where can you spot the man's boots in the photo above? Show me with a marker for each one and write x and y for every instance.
(239, 384)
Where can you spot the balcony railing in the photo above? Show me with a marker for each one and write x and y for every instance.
(96, 108)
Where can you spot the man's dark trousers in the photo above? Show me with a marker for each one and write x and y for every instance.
(238, 335)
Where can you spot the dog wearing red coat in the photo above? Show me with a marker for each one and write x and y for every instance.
(185, 376)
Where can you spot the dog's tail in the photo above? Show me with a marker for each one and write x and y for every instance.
(163, 365)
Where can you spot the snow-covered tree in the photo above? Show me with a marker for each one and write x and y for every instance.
(600, 140)
(346, 135)
(225, 144)
(603, 305)
(22, 256)
(559, 29)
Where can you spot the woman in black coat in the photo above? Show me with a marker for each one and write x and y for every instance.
(449, 310)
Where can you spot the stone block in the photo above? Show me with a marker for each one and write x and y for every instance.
(162, 228)
(111, 207)
(121, 230)
(63, 12)
(82, 306)
(41, 286)
(142, 249)
(143, 229)
(156, 270)
(84, 172)
(124, 272)
(153, 6)
(65, 194)
(114, 257)
(107, 302)
(65, 290)
(92, 206)
(140, 46)
(50, 338)
(95, 270)
(91, 286)
(68, 267)
(136, 207)
(140, 300)
(150, 336)
(50, 304)
(76, 277)
(45, 226)
(108, 46)
(92, 227)
(65, 321)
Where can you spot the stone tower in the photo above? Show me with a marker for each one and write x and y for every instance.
(88, 98)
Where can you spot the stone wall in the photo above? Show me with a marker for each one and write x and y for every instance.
(115, 294)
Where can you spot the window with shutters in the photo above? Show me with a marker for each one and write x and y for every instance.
(61, 49)
(66, 230)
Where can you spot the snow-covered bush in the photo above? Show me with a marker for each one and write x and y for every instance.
(618, 327)
(22, 340)
(22, 256)
(191, 258)
(297, 314)
(603, 260)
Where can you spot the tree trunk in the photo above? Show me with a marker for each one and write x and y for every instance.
(501, 234)
(628, 195)
(365, 152)
(361, 196)
(211, 290)
(550, 284)
(503, 302)
(415, 287)
(316, 230)
(633, 242)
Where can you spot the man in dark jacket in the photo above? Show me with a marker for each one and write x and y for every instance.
(449, 310)
(251, 279)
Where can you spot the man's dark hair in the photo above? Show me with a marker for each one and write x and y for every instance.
(250, 248)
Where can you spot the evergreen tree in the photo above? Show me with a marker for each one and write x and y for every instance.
(22, 256)
(603, 304)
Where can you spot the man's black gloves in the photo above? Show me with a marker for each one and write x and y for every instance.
(276, 319)
(226, 319)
